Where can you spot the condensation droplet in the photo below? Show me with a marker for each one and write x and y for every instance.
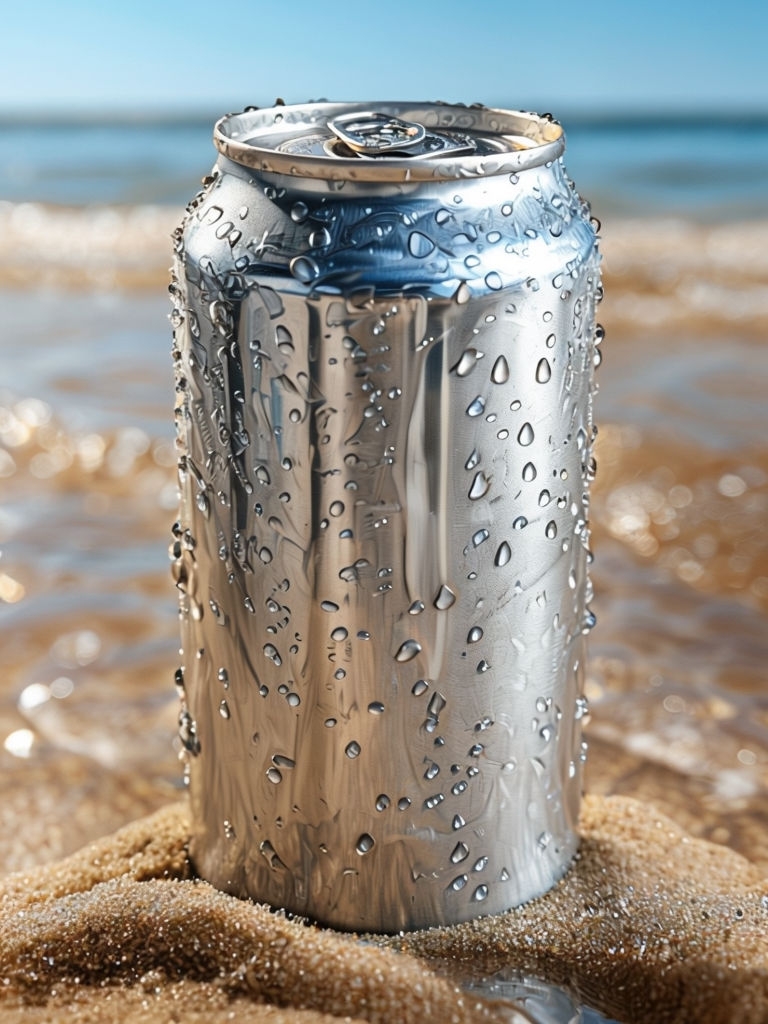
(444, 599)
(408, 650)
(529, 472)
(493, 280)
(458, 883)
(479, 537)
(462, 294)
(457, 822)
(476, 407)
(274, 775)
(365, 843)
(551, 529)
(480, 486)
(352, 749)
(382, 802)
(480, 893)
(403, 803)
(467, 362)
(473, 459)
(224, 710)
(474, 635)
(419, 687)
(339, 634)
(503, 554)
(543, 371)
(519, 523)
(460, 852)
(416, 608)
(500, 371)
(329, 606)
(271, 652)
(376, 708)
(525, 436)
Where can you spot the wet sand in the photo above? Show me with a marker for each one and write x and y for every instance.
(649, 926)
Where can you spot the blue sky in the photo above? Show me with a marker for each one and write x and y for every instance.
(546, 54)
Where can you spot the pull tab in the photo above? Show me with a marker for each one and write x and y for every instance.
(369, 135)
(372, 134)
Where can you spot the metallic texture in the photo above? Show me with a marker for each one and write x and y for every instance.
(385, 430)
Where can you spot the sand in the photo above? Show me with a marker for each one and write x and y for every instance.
(650, 925)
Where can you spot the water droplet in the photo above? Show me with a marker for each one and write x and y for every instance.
(473, 459)
(329, 606)
(519, 523)
(493, 280)
(480, 486)
(509, 766)
(480, 893)
(419, 687)
(444, 599)
(408, 650)
(482, 667)
(271, 652)
(457, 822)
(459, 787)
(419, 245)
(304, 269)
(458, 883)
(550, 529)
(433, 770)
(500, 371)
(274, 775)
(436, 704)
(480, 864)
(503, 554)
(479, 537)
(365, 843)
(329, 723)
(550, 343)
(462, 294)
(467, 362)
(299, 212)
(336, 508)
(382, 802)
(525, 436)
(529, 472)
(474, 635)
(352, 749)
(376, 708)
(339, 634)
(460, 853)
(476, 407)
(224, 710)
(543, 371)
(320, 238)
(472, 261)
(403, 803)
(416, 608)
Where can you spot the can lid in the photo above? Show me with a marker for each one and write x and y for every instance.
(388, 141)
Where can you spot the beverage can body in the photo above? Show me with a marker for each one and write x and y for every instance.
(384, 371)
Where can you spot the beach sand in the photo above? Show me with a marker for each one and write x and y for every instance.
(650, 926)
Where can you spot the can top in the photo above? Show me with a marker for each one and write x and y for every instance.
(388, 141)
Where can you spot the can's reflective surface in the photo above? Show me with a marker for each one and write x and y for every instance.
(384, 364)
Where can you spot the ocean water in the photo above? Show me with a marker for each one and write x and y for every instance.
(706, 169)
(88, 620)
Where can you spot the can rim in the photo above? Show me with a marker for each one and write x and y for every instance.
(252, 138)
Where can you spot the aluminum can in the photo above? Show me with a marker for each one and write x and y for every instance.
(384, 347)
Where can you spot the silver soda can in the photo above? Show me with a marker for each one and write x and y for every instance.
(384, 346)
